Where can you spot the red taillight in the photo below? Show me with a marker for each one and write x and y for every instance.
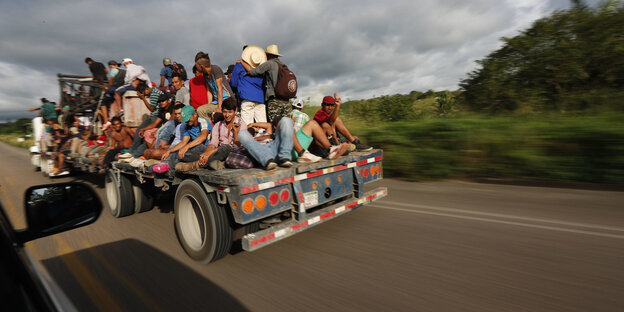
(273, 198)
(285, 195)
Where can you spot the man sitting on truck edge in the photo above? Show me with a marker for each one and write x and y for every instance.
(193, 142)
(164, 138)
(328, 118)
(121, 138)
(224, 135)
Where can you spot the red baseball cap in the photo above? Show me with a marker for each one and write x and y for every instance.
(329, 100)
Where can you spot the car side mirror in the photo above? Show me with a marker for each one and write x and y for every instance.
(59, 207)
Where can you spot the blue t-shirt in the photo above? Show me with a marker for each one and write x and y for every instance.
(167, 72)
(194, 132)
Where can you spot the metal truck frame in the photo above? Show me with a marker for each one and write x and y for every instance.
(214, 209)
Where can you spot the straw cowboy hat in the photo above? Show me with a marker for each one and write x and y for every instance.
(272, 49)
(254, 56)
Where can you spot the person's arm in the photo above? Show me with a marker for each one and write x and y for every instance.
(258, 71)
(245, 65)
(145, 101)
(200, 139)
(176, 148)
(203, 158)
(265, 125)
(162, 81)
(219, 82)
(155, 124)
(334, 114)
(34, 109)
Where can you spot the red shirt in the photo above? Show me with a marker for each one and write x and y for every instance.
(321, 116)
(199, 93)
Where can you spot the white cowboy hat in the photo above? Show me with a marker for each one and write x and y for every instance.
(272, 49)
(254, 56)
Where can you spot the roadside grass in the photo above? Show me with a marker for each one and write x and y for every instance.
(552, 148)
(12, 138)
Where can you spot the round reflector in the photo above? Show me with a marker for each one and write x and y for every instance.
(248, 206)
(260, 202)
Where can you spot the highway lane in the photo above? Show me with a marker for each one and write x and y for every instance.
(439, 246)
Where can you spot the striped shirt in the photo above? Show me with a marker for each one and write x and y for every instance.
(153, 100)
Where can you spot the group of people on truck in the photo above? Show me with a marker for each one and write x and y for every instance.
(236, 119)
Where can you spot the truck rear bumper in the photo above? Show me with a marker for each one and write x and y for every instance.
(273, 234)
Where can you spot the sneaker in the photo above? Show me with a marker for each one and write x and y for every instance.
(60, 173)
(216, 164)
(337, 150)
(125, 155)
(270, 165)
(286, 163)
(307, 157)
(151, 162)
(128, 160)
(186, 166)
(361, 147)
(332, 140)
(137, 163)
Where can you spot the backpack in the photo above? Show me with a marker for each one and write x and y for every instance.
(118, 80)
(286, 84)
(178, 69)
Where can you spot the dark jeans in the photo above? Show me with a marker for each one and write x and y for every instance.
(190, 156)
(221, 154)
(138, 143)
(110, 156)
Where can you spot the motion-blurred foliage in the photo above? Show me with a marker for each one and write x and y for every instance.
(587, 149)
(570, 61)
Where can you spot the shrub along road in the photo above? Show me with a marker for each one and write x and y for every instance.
(441, 246)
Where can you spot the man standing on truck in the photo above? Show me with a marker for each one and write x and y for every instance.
(217, 85)
(48, 110)
(276, 107)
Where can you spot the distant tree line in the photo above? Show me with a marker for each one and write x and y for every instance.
(572, 60)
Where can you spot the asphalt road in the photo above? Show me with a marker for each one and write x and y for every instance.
(440, 246)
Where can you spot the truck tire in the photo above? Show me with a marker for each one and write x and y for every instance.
(120, 199)
(202, 225)
(143, 196)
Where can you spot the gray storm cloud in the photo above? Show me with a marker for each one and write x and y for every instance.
(356, 48)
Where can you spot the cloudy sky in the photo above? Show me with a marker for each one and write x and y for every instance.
(359, 49)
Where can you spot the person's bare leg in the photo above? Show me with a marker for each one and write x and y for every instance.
(328, 129)
(296, 145)
(155, 153)
(313, 129)
(342, 129)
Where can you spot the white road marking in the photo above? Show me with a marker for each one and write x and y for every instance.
(489, 214)
(544, 227)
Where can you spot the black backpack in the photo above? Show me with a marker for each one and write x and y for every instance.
(286, 84)
(178, 70)
(119, 78)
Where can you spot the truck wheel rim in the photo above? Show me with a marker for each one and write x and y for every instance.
(111, 194)
(192, 225)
